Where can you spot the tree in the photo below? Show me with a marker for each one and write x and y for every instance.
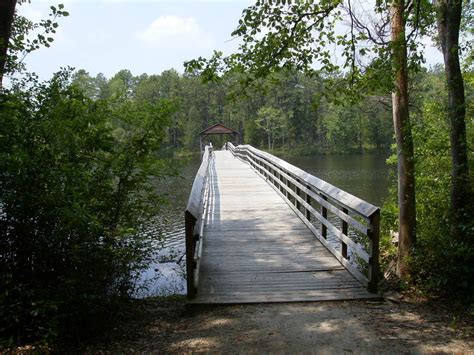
(121, 85)
(401, 121)
(7, 12)
(449, 21)
(270, 120)
(86, 83)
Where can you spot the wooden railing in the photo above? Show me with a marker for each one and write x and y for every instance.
(194, 217)
(346, 225)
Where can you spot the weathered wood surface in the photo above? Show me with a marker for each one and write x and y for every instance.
(290, 183)
(193, 216)
(196, 196)
(255, 249)
(354, 203)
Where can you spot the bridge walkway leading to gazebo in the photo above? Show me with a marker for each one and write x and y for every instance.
(260, 232)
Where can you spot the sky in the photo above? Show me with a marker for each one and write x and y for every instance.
(144, 36)
(147, 36)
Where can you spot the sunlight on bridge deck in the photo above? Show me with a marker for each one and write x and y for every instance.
(255, 248)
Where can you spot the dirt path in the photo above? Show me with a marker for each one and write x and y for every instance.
(325, 328)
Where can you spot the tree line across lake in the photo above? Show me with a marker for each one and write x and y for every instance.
(286, 111)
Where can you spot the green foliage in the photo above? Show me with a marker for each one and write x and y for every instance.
(440, 265)
(307, 118)
(388, 226)
(270, 120)
(28, 36)
(341, 123)
(76, 184)
(466, 35)
(278, 36)
(253, 134)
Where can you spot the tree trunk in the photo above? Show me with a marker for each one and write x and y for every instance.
(449, 20)
(401, 121)
(7, 11)
(359, 136)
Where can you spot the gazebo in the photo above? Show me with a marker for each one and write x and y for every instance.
(219, 129)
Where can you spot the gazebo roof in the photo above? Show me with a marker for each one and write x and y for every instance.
(218, 128)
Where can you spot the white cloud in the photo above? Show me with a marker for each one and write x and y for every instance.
(175, 32)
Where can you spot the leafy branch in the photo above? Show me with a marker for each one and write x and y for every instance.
(20, 45)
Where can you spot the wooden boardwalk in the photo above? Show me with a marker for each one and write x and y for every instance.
(255, 248)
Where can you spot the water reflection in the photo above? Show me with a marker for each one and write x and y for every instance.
(166, 275)
(365, 176)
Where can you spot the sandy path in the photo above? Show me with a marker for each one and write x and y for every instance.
(323, 328)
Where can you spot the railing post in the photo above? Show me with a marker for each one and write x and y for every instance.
(345, 230)
(288, 194)
(281, 179)
(298, 192)
(324, 213)
(190, 223)
(374, 235)
(308, 201)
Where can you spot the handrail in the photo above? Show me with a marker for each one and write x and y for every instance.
(194, 217)
(312, 199)
(229, 146)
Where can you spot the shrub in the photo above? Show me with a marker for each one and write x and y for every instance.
(76, 184)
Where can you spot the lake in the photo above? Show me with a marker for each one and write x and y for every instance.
(365, 176)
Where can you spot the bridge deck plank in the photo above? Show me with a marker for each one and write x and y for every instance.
(257, 250)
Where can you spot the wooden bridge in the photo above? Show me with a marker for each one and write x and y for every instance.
(259, 229)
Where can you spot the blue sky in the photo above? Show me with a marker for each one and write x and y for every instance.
(144, 36)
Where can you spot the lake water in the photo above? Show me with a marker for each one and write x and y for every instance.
(365, 176)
